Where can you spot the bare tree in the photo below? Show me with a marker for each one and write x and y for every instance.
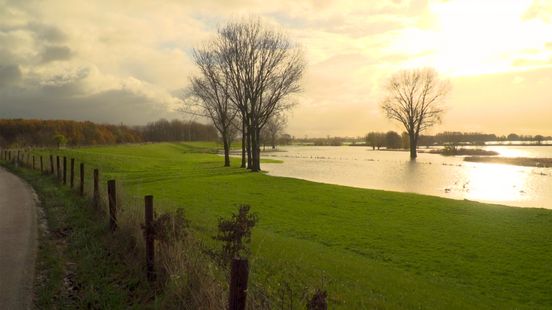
(211, 89)
(263, 68)
(415, 98)
(273, 128)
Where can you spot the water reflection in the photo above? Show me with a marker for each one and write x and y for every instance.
(496, 183)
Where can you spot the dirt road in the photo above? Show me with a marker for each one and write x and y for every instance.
(18, 242)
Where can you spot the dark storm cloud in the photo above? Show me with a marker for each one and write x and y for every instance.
(112, 106)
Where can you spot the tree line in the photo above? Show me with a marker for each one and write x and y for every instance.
(394, 140)
(177, 130)
(48, 133)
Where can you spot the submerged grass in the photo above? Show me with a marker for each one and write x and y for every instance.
(368, 248)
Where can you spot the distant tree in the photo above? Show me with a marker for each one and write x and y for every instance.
(414, 98)
(60, 140)
(274, 128)
(539, 139)
(285, 139)
(426, 140)
(392, 140)
(375, 139)
(405, 140)
(513, 137)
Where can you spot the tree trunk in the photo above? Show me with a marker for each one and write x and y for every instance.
(226, 151)
(257, 162)
(243, 145)
(249, 155)
(413, 145)
(254, 147)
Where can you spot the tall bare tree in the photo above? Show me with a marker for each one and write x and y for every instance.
(211, 89)
(263, 69)
(414, 98)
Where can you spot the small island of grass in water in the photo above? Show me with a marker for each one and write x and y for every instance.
(451, 150)
(516, 161)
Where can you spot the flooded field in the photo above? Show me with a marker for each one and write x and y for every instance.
(430, 174)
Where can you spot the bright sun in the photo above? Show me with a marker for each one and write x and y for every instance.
(476, 37)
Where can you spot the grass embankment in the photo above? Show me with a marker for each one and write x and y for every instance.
(516, 161)
(370, 249)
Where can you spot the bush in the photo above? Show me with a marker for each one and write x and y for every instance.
(235, 234)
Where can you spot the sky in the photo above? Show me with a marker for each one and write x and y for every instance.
(127, 61)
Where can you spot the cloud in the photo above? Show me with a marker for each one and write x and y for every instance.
(9, 75)
(47, 33)
(53, 53)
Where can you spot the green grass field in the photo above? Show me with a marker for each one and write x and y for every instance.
(368, 248)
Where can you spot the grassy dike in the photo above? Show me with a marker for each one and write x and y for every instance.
(368, 248)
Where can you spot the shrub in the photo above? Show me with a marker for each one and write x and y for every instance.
(235, 234)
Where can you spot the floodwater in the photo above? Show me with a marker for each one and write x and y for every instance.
(430, 174)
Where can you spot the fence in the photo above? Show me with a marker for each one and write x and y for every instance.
(239, 272)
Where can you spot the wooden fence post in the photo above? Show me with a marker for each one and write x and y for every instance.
(58, 168)
(41, 165)
(9, 155)
(150, 237)
(18, 155)
(34, 166)
(318, 301)
(82, 179)
(64, 170)
(96, 195)
(72, 173)
(51, 164)
(238, 284)
(112, 197)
